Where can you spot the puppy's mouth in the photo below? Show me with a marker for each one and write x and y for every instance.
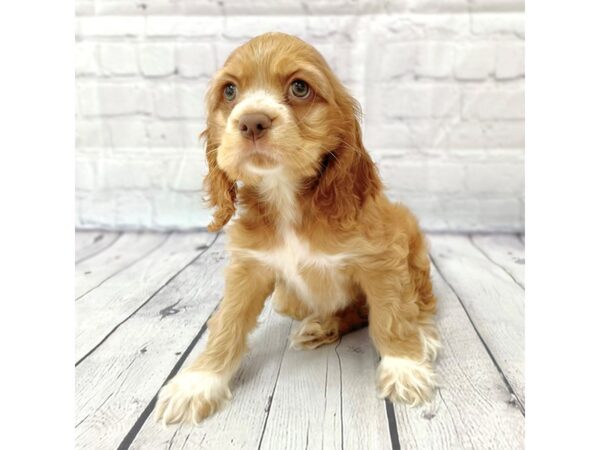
(259, 155)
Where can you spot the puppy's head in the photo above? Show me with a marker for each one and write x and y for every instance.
(276, 107)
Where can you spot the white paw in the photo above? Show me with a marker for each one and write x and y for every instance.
(191, 396)
(313, 333)
(405, 380)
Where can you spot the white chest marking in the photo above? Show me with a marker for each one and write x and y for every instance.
(294, 254)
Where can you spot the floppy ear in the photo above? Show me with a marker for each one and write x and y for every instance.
(221, 190)
(349, 176)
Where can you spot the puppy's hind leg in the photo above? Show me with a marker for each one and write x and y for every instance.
(316, 330)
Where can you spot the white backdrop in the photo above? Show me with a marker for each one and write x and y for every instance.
(440, 81)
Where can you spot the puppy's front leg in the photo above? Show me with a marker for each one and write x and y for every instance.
(403, 331)
(199, 390)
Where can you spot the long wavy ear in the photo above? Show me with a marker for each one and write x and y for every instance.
(221, 190)
(349, 176)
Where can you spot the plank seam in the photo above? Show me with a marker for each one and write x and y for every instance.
(131, 264)
(262, 433)
(483, 252)
(146, 302)
(341, 389)
(487, 349)
(452, 419)
(392, 424)
(83, 258)
(139, 423)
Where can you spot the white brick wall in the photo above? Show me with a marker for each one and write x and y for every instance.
(441, 83)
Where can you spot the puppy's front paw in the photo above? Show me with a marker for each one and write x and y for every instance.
(405, 380)
(191, 396)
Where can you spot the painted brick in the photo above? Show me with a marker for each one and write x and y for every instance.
(184, 210)
(196, 60)
(97, 209)
(201, 7)
(147, 7)
(190, 26)
(107, 99)
(498, 5)
(246, 27)
(434, 60)
(85, 174)
(83, 8)
(91, 133)
(180, 101)
(398, 60)
(474, 62)
(262, 7)
(496, 178)
(179, 134)
(422, 100)
(326, 7)
(498, 24)
(497, 103)
(128, 133)
(482, 213)
(224, 49)
(394, 135)
(441, 90)
(163, 134)
(339, 28)
(416, 176)
(438, 6)
(134, 174)
(86, 58)
(118, 59)
(510, 60)
(157, 60)
(188, 173)
(133, 209)
(119, 26)
(488, 134)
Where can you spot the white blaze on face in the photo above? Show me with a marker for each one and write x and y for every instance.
(258, 101)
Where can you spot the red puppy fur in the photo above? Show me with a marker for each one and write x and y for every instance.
(314, 228)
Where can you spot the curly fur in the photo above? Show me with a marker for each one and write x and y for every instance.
(313, 227)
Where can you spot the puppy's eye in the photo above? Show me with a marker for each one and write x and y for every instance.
(300, 89)
(230, 92)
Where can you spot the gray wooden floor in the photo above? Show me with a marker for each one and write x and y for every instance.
(142, 302)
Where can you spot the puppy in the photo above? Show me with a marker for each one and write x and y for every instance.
(314, 229)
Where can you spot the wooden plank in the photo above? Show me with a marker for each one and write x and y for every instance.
(473, 407)
(90, 243)
(507, 251)
(298, 390)
(106, 307)
(240, 423)
(309, 386)
(493, 301)
(364, 418)
(331, 392)
(126, 251)
(116, 382)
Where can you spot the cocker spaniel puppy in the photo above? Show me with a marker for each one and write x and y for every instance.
(314, 228)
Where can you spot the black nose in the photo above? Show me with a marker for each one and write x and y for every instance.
(254, 126)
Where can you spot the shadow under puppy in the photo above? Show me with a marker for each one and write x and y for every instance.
(314, 228)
